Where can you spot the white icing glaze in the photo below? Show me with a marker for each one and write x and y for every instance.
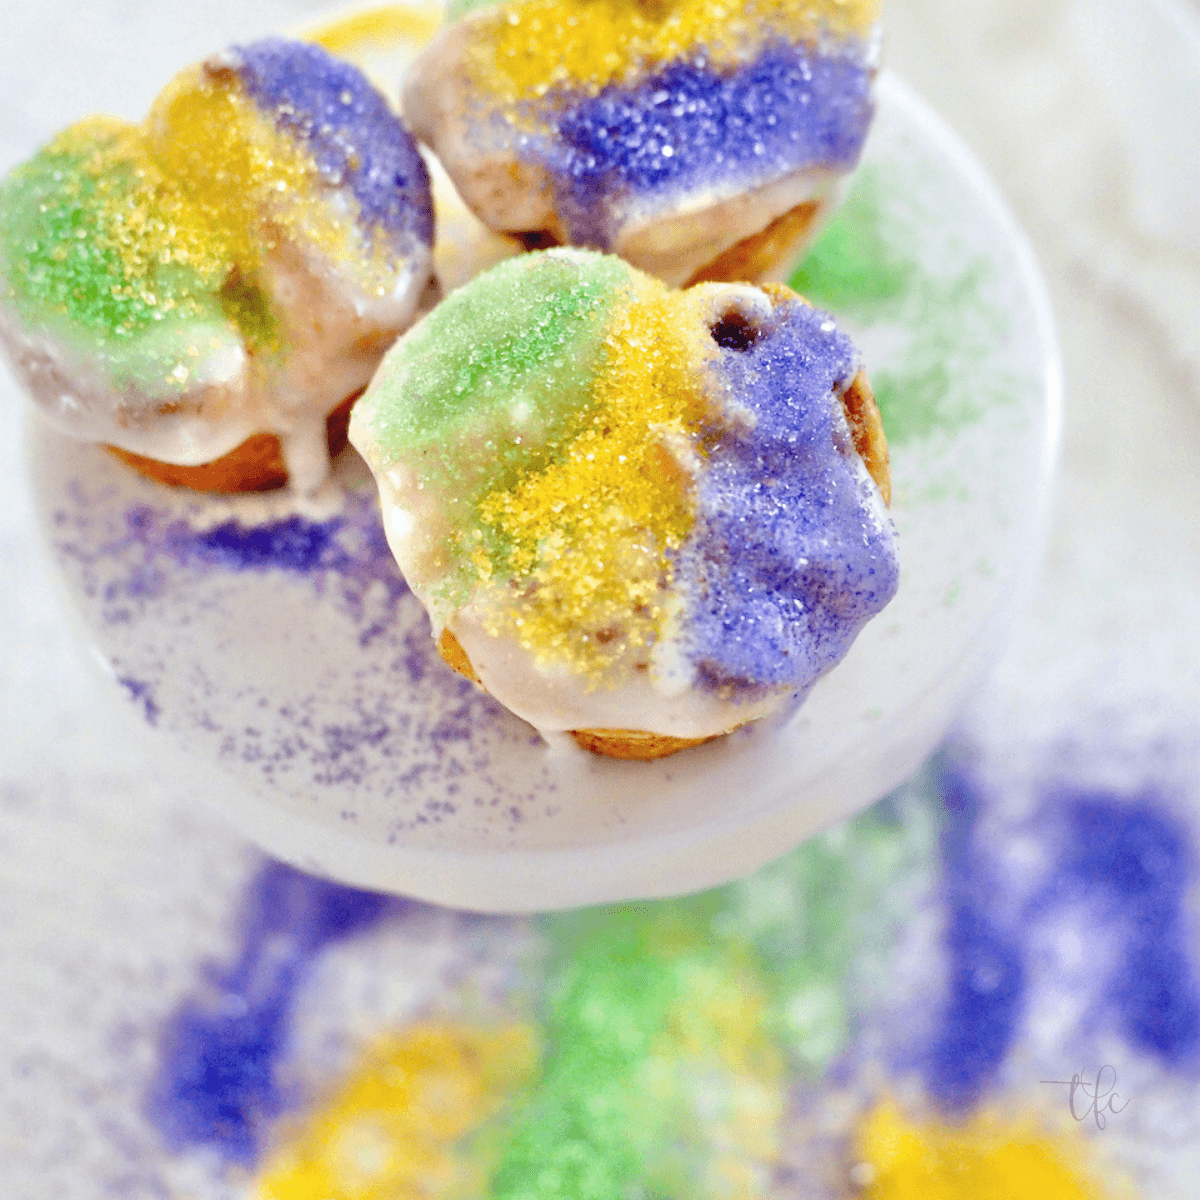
(557, 700)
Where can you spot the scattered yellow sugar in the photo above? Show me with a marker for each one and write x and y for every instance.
(392, 1132)
(986, 1159)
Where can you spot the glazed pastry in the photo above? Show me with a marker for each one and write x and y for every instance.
(640, 515)
(204, 292)
(693, 140)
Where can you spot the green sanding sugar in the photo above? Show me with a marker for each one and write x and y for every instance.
(658, 1053)
(514, 352)
(864, 268)
(859, 266)
(79, 224)
(71, 222)
(672, 1027)
(823, 920)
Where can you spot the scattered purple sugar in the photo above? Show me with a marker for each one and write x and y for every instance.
(405, 740)
(217, 1083)
(1117, 861)
(290, 544)
(986, 980)
(141, 693)
(689, 126)
(355, 139)
(786, 562)
(350, 547)
(1132, 864)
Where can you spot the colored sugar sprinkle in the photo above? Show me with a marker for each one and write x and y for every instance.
(216, 1084)
(349, 547)
(400, 1128)
(1136, 864)
(672, 1027)
(258, 166)
(986, 978)
(660, 1076)
(625, 111)
(986, 1160)
(824, 920)
(289, 544)
(493, 378)
(782, 526)
(859, 266)
(94, 233)
(666, 1035)
(615, 488)
(226, 159)
(863, 266)
(524, 49)
(570, 375)
(150, 241)
(689, 126)
(348, 129)
(1121, 858)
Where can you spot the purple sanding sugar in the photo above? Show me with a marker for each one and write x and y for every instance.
(290, 544)
(353, 136)
(1125, 862)
(1133, 864)
(142, 693)
(689, 126)
(350, 548)
(986, 978)
(217, 1082)
(786, 561)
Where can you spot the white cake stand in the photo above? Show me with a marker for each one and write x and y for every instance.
(275, 655)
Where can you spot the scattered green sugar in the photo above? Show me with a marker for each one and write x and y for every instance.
(671, 1027)
(823, 920)
(940, 382)
(855, 268)
(659, 1078)
(864, 267)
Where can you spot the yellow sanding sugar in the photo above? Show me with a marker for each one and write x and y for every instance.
(393, 1130)
(987, 1159)
(524, 49)
(251, 183)
(132, 208)
(594, 530)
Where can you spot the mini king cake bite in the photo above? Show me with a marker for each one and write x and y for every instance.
(640, 515)
(205, 291)
(697, 140)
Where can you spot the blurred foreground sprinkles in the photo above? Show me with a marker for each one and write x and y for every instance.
(873, 1015)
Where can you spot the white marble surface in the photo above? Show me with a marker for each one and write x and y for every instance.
(1083, 110)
